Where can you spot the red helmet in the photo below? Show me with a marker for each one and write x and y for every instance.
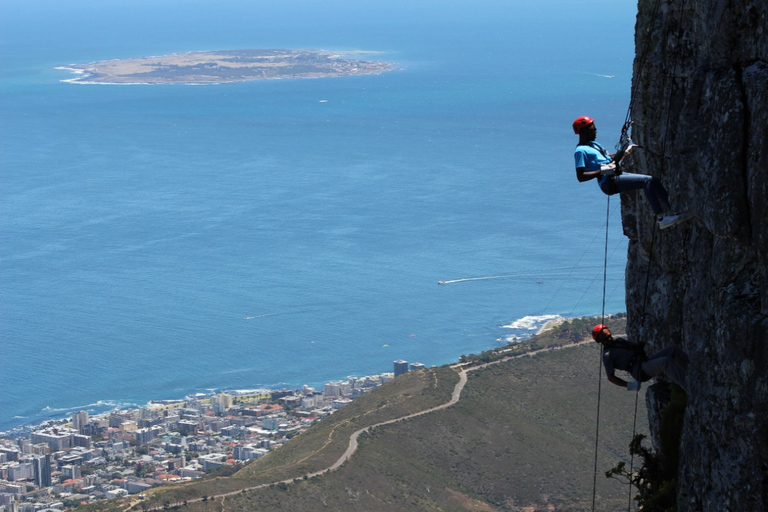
(581, 122)
(596, 330)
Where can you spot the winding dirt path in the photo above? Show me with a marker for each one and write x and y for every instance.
(353, 444)
(455, 397)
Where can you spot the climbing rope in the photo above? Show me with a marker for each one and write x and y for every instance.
(632, 455)
(621, 147)
(600, 352)
(624, 138)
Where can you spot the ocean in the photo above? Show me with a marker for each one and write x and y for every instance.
(158, 241)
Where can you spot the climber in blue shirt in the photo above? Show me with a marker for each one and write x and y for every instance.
(593, 161)
(620, 354)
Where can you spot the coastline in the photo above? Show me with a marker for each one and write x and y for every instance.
(228, 66)
(526, 327)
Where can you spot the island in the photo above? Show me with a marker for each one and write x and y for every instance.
(215, 67)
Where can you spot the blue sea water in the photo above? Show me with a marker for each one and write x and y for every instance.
(157, 241)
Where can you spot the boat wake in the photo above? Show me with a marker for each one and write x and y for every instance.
(481, 278)
(264, 315)
(570, 273)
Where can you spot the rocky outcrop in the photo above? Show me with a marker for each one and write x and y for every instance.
(700, 115)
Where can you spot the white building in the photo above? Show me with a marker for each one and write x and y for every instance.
(58, 439)
(79, 420)
(212, 461)
(332, 390)
(21, 471)
(308, 402)
(341, 402)
(221, 403)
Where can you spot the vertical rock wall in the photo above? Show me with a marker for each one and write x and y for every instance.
(700, 113)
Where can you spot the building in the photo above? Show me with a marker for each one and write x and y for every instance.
(417, 366)
(308, 402)
(10, 453)
(146, 435)
(217, 424)
(190, 473)
(38, 449)
(221, 403)
(57, 439)
(117, 418)
(401, 367)
(43, 468)
(231, 431)
(249, 451)
(79, 420)
(187, 426)
(212, 461)
(82, 441)
(71, 458)
(20, 471)
(129, 425)
(11, 488)
(244, 452)
(71, 471)
(339, 403)
(332, 389)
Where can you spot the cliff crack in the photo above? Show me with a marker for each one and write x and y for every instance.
(747, 137)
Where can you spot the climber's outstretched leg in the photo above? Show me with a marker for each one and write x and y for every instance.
(656, 194)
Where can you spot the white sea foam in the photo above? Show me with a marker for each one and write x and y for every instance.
(97, 406)
(526, 327)
(531, 323)
(237, 392)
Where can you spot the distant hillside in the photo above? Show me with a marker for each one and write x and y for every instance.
(522, 434)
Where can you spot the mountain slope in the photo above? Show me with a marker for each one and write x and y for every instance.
(521, 435)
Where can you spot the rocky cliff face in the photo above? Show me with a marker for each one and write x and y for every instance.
(700, 113)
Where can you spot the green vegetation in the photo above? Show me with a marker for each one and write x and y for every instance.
(656, 479)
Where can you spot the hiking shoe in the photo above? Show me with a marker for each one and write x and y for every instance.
(670, 219)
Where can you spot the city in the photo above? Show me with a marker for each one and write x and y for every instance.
(70, 462)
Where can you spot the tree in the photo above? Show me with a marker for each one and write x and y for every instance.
(656, 485)
(143, 470)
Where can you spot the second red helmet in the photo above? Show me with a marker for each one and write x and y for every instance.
(596, 330)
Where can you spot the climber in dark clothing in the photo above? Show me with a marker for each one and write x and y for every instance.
(621, 354)
(593, 161)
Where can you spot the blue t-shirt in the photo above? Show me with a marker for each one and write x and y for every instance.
(591, 156)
